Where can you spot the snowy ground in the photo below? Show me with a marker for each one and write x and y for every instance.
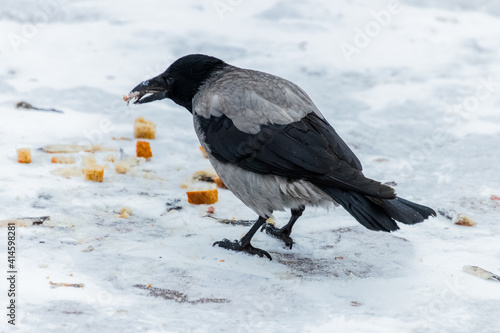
(418, 101)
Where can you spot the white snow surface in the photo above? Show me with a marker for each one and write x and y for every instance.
(392, 103)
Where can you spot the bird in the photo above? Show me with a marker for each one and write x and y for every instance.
(273, 148)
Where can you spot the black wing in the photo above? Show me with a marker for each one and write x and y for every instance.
(307, 149)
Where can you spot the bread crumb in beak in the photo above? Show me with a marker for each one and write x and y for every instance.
(131, 96)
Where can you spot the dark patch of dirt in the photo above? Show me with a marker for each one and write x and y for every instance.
(177, 296)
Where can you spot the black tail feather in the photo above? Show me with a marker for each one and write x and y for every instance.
(380, 214)
(406, 211)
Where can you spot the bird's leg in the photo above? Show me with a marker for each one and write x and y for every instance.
(244, 243)
(284, 233)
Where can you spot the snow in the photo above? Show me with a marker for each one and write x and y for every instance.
(404, 103)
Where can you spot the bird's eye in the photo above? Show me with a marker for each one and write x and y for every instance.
(170, 81)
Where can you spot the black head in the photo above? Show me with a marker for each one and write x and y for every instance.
(180, 82)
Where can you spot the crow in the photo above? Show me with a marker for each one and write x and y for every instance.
(273, 148)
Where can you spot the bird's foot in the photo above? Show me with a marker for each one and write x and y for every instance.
(283, 234)
(242, 247)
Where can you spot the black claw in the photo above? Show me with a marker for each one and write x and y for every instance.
(224, 241)
(282, 234)
(238, 246)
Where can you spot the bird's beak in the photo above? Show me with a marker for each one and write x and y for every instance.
(150, 90)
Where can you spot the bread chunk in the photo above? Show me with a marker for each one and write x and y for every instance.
(24, 155)
(63, 159)
(143, 149)
(144, 129)
(207, 197)
(94, 173)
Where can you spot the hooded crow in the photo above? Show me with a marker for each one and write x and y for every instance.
(273, 148)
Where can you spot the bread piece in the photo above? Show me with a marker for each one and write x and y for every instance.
(68, 172)
(205, 175)
(219, 182)
(208, 176)
(59, 149)
(125, 212)
(461, 219)
(94, 173)
(143, 149)
(203, 152)
(63, 159)
(124, 166)
(144, 129)
(24, 155)
(110, 158)
(207, 197)
(131, 96)
(88, 161)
